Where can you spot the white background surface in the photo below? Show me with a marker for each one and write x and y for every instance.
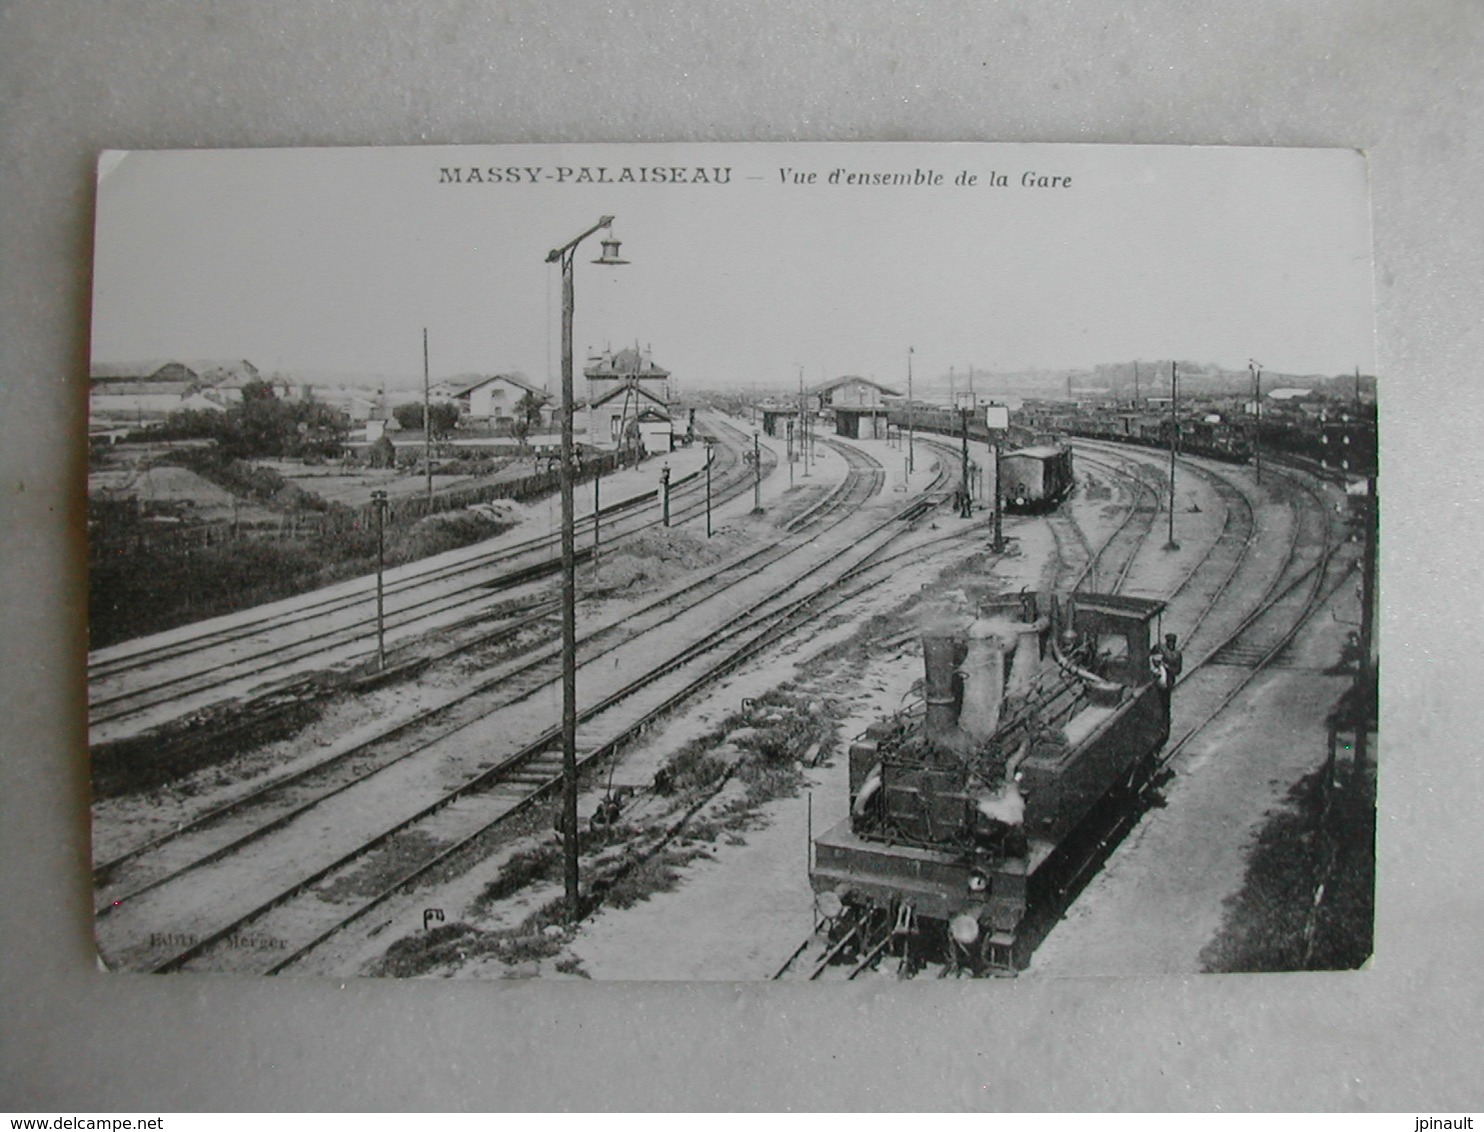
(1399, 80)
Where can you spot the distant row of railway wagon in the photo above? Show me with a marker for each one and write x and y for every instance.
(1217, 440)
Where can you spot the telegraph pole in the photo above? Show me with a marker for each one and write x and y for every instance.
(966, 506)
(757, 476)
(911, 418)
(803, 425)
(1364, 684)
(1256, 368)
(378, 501)
(427, 420)
(1174, 432)
(708, 489)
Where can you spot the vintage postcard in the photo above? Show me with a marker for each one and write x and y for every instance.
(815, 561)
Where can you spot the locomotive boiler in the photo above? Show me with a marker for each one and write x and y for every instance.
(1034, 714)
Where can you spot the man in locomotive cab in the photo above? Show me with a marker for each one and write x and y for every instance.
(1168, 662)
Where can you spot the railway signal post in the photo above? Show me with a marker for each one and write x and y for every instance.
(565, 255)
(997, 421)
(965, 499)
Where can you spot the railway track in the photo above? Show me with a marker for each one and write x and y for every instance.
(497, 790)
(1307, 576)
(185, 674)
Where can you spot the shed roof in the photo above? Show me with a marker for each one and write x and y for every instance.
(835, 383)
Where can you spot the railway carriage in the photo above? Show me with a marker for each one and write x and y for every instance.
(1036, 479)
(1035, 715)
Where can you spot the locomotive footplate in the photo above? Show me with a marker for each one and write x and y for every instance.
(939, 885)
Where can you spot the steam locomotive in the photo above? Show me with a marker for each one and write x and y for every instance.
(1035, 714)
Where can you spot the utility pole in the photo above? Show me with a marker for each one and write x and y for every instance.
(597, 517)
(1136, 383)
(757, 476)
(708, 489)
(790, 450)
(966, 506)
(911, 419)
(1256, 368)
(803, 425)
(1364, 677)
(566, 255)
(427, 420)
(1174, 432)
(378, 502)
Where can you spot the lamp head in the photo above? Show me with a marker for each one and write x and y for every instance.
(610, 256)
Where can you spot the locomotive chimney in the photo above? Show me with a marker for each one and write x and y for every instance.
(938, 647)
(984, 682)
(1027, 658)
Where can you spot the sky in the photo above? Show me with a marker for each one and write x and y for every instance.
(334, 260)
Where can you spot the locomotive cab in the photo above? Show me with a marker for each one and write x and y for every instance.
(1033, 713)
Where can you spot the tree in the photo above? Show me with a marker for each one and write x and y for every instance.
(527, 416)
(444, 414)
(263, 425)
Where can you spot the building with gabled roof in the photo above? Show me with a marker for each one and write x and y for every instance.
(628, 396)
(493, 399)
(850, 390)
(857, 405)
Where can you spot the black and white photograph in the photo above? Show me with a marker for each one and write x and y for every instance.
(796, 561)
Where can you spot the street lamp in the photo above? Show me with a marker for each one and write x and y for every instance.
(378, 503)
(566, 255)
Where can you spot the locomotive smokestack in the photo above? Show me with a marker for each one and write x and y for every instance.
(1027, 658)
(984, 682)
(938, 647)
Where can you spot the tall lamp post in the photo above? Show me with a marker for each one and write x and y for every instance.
(378, 502)
(566, 255)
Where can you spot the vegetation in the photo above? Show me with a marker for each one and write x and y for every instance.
(149, 587)
(444, 415)
(1322, 841)
(262, 424)
(527, 416)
